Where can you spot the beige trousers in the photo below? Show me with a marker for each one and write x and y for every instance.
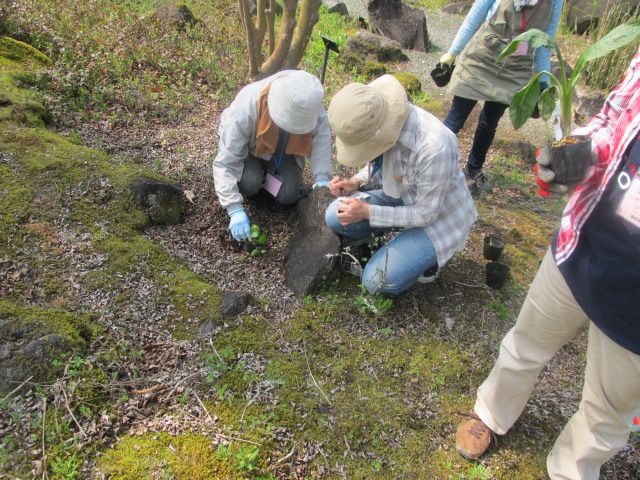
(549, 318)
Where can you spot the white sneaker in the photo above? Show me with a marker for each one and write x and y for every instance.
(429, 276)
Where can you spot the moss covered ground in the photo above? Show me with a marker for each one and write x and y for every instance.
(325, 390)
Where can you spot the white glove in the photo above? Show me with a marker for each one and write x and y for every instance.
(448, 58)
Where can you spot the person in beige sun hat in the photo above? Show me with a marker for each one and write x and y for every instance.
(410, 182)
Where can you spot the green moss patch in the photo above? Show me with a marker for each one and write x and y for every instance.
(32, 322)
(183, 457)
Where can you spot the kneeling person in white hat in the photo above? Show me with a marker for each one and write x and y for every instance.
(265, 135)
(411, 182)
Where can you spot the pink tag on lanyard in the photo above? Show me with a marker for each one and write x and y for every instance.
(272, 184)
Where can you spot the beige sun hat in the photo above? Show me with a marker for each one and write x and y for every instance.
(295, 100)
(367, 119)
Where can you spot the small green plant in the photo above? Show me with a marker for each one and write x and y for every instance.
(66, 468)
(501, 309)
(562, 89)
(258, 240)
(373, 304)
(479, 472)
(247, 458)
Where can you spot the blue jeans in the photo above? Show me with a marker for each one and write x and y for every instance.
(395, 266)
(490, 115)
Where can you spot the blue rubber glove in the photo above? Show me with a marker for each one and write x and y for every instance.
(239, 225)
(543, 86)
(321, 183)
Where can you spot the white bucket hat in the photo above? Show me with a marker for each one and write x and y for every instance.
(368, 119)
(295, 98)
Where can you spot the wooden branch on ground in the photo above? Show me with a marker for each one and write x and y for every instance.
(8, 395)
(311, 373)
(66, 404)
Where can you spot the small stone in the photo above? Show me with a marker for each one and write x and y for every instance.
(176, 15)
(234, 302)
(336, 6)
(163, 202)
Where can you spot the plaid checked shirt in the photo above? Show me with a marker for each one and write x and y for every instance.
(423, 169)
(611, 132)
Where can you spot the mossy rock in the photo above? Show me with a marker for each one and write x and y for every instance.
(22, 53)
(33, 337)
(373, 69)
(162, 201)
(409, 81)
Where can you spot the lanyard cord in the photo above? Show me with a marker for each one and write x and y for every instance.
(283, 139)
(523, 19)
(377, 165)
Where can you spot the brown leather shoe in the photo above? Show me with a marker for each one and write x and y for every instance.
(473, 437)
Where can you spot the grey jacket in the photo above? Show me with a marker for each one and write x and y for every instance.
(237, 134)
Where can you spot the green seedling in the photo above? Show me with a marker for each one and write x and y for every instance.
(257, 241)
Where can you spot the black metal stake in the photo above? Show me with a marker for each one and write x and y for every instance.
(328, 45)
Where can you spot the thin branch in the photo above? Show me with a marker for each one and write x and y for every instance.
(6, 397)
(43, 461)
(287, 456)
(237, 439)
(311, 373)
(168, 396)
(66, 404)
(202, 405)
(481, 285)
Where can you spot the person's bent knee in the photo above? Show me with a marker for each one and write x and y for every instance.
(252, 177)
(289, 194)
(375, 281)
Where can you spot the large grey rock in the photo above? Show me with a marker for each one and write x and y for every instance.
(586, 106)
(582, 16)
(458, 8)
(163, 202)
(400, 22)
(370, 45)
(31, 338)
(176, 15)
(313, 247)
(336, 6)
(34, 359)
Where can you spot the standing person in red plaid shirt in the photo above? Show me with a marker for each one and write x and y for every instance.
(590, 276)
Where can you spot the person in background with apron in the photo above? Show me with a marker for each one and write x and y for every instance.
(488, 28)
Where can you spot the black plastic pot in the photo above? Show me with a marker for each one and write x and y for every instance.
(493, 246)
(570, 161)
(442, 74)
(496, 274)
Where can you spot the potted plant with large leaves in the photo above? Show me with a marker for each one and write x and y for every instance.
(570, 156)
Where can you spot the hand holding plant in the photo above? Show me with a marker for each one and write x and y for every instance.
(570, 158)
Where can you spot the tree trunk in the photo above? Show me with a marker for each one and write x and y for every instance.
(309, 16)
(285, 36)
(287, 48)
